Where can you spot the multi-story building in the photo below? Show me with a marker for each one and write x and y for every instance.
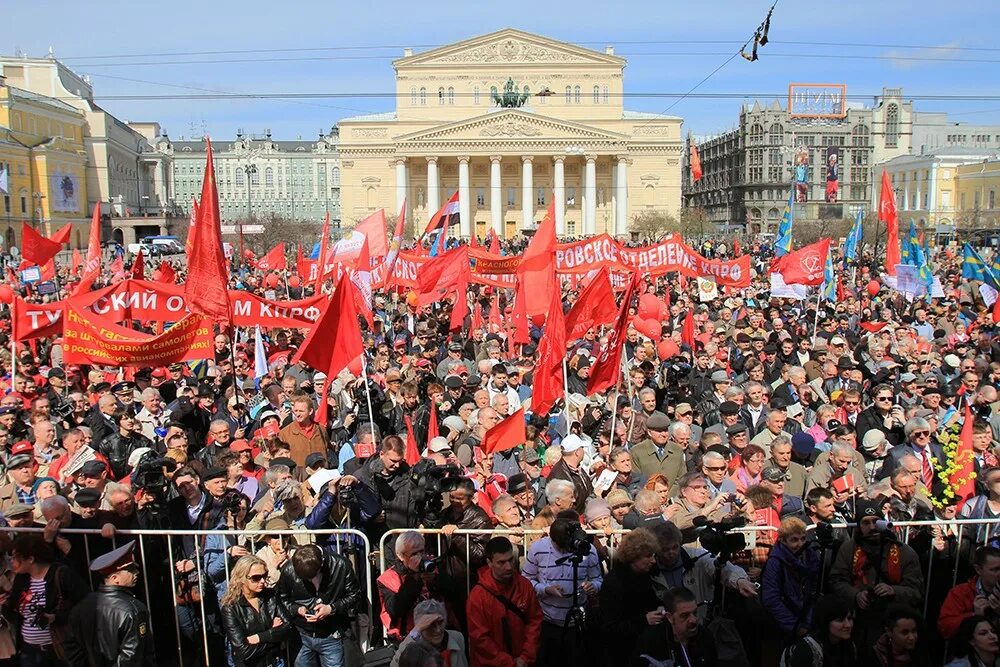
(255, 174)
(123, 171)
(718, 191)
(933, 130)
(512, 121)
(829, 154)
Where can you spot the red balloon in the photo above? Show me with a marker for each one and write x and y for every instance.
(873, 287)
(650, 328)
(649, 306)
(355, 367)
(294, 281)
(666, 349)
(664, 312)
(538, 320)
(271, 281)
(6, 294)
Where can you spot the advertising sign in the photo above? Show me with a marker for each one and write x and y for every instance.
(817, 100)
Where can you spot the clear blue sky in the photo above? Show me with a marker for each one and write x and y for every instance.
(656, 38)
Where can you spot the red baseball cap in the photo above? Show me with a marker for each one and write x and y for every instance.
(23, 447)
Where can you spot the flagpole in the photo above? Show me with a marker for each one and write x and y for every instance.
(819, 295)
(368, 396)
(232, 355)
(566, 390)
(13, 341)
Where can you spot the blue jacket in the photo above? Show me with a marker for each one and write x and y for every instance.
(787, 585)
(364, 510)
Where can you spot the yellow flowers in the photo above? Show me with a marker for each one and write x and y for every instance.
(954, 464)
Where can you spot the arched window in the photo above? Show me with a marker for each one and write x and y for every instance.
(756, 134)
(597, 94)
(859, 135)
(423, 96)
(777, 134)
(441, 95)
(335, 176)
(576, 94)
(451, 95)
(370, 197)
(569, 95)
(892, 126)
(269, 177)
(475, 95)
(239, 178)
(254, 177)
(413, 96)
(605, 94)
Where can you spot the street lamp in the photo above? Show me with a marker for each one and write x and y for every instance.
(38, 197)
(251, 171)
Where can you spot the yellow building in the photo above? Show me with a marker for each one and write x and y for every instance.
(566, 136)
(977, 185)
(42, 165)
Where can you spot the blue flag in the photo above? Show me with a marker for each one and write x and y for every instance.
(829, 280)
(975, 268)
(853, 238)
(906, 247)
(783, 241)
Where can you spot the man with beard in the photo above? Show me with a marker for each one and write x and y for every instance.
(874, 570)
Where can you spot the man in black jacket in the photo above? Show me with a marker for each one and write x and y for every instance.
(110, 626)
(321, 594)
(389, 476)
(464, 513)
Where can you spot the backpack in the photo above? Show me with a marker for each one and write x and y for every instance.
(817, 652)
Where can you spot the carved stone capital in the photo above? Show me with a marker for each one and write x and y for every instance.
(559, 159)
(527, 159)
(431, 159)
(463, 159)
(496, 158)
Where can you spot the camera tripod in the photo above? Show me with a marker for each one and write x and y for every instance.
(576, 617)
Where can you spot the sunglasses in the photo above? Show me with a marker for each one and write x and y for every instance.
(716, 468)
(257, 578)
(921, 434)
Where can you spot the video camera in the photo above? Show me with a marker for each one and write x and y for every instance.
(429, 483)
(149, 475)
(579, 542)
(717, 536)
(676, 371)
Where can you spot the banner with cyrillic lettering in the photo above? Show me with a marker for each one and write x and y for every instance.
(92, 339)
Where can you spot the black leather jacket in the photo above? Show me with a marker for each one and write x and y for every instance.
(338, 587)
(110, 628)
(241, 620)
(117, 447)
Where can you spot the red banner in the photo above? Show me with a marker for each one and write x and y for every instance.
(91, 339)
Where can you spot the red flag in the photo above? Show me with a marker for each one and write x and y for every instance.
(507, 434)
(494, 242)
(62, 236)
(963, 479)
(445, 216)
(687, 330)
(274, 260)
(323, 241)
(473, 241)
(695, 164)
(397, 240)
(607, 370)
(666, 296)
(841, 292)
(412, 455)
(460, 308)
(49, 270)
(521, 331)
(803, 266)
(595, 305)
(117, 268)
(192, 220)
(996, 310)
(139, 267)
(167, 273)
(77, 263)
(873, 327)
(441, 274)
(737, 248)
(537, 267)
(477, 317)
(432, 424)
(887, 214)
(36, 248)
(205, 289)
(361, 278)
(374, 228)
(549, 381)
(495, 320)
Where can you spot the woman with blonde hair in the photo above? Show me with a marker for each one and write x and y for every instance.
(628, 601)
(255, 624)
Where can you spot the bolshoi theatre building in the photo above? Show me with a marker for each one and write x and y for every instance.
(511, 120)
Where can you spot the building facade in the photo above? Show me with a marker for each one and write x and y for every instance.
(296, 180)
(560, 132)
(123, 170)
(933, 130)
(776, 146)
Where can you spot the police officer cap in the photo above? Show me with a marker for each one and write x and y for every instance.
(116, 560)
(122, 387)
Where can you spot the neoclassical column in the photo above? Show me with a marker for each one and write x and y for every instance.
(401, 181)
(433, 184)
(464, 202)
(621, 202)
(527, 190)
(560, 194)
(496, 203)
(590, 214)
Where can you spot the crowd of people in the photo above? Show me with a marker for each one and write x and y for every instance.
(731, 502)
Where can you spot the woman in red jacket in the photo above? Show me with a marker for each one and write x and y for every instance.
(504, 617)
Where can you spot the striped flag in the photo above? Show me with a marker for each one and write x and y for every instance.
(853, 238)
(783, 241)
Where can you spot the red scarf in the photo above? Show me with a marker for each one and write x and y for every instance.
(859, 564)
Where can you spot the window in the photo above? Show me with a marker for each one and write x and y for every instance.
(335, 176)
(423, 96)
(774, 156)
(475, 95)
(597, 94)
(859, 135)
(511, 196)
(6, 203)
(605, 94)
(576, 94)
(413, 96)
(24, 204)
(571, 227)
(756, 134)
(254, 177)
(993, 199)
(540, 199)
(480, 196)
(569, 95)
(892, 126)
(777, 133)
(451, 95)
(269, 177)
(441, 95)
(239, 178)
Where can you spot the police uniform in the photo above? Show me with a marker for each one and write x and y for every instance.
(110, 627)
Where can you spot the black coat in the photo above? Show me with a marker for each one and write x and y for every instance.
(626, 598)
(870, 419)
(395, 494)
(100, 425)
(338, 587)
(241, 620)
(116, 449)
(110, 628)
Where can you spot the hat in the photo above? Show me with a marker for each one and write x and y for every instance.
(741, 337)
(87, 497)
(318, 377)
(392, 375)
(240, 445)
(794, 409)
(773, 474)
(571, 443)
(284, 461)
(820, 345)
(720, 376)
(473, 381)
(929, 391)
(683, 409)
(453, 382)
(530, 455)
(122, 386)
(92, 468)
(315, 460)
(657, 422)
(23, 447)
(596, 508)
(728, 408)
(18, 509)
(952, 360)
(438, 444)
(56, 373)
(176, 366)
(455, 346)
(925, 413)
(845, 362)
(214, 473)
(19, 460)
(8, 410)
(907, 377)
(278, 522)
(136, 456)
(736, 429)
(770, 348)
(837, 340)
(159, 373)
(872, 439)
(116, 560)
(803, 443)
(518, 483)
(618, 498)
(865, 507)
(454, 423)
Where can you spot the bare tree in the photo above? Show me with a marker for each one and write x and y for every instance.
(695, 222)
(653, 225)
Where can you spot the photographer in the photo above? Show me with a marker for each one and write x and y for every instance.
(117, 447)
(389, 476)
(412, 578)
(882, 416)
(549, 568)
(345, 502)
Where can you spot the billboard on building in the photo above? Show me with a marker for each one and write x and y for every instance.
(817, 100)
(832, 165)
(64, 192)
